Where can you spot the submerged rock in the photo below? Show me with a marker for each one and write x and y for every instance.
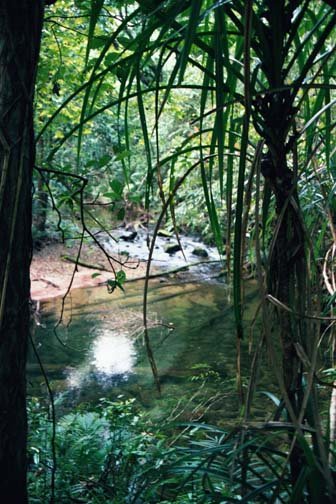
(172, 248)
(164, 233)
(129, 235)
(200, 252)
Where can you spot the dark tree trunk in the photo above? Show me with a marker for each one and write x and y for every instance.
(287, 262)
(20, 32)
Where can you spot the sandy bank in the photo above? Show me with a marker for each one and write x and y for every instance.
(51, 275)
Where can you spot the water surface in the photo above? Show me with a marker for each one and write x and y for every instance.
(98, 350)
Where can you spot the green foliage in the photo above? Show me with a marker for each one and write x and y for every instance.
(108, 453)
(146, 102)
(118, 282)
(203, 371)
(112, 453)
(243, 91)
(245, 464)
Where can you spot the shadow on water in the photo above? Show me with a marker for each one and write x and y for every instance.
(103, 354)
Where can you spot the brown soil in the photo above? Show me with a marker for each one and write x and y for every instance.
(51, 274)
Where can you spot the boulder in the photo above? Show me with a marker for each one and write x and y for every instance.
(129, 236)
(200, 252)
(172, 248)
(164, 233)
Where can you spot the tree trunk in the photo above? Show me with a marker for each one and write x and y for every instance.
(287, 265)
(20, 32)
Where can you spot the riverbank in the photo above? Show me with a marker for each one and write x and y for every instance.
(51, 273)
(53, 267)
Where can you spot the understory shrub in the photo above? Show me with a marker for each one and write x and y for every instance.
(108, 453)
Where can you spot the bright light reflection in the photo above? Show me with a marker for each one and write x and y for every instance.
(113, 354)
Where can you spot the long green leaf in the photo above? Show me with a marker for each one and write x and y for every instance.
(241, 177)
(195, 10)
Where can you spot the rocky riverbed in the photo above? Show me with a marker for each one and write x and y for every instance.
(53, 273)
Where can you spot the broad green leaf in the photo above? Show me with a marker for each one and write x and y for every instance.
(117, 186)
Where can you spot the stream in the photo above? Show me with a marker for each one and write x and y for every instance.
(98, 349)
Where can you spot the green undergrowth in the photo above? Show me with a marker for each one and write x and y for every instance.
(107, 453)
(114, 453)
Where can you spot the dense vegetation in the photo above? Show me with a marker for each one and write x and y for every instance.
(215, 118)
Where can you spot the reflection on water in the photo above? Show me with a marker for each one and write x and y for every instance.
(111, 355)
(103, 355)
